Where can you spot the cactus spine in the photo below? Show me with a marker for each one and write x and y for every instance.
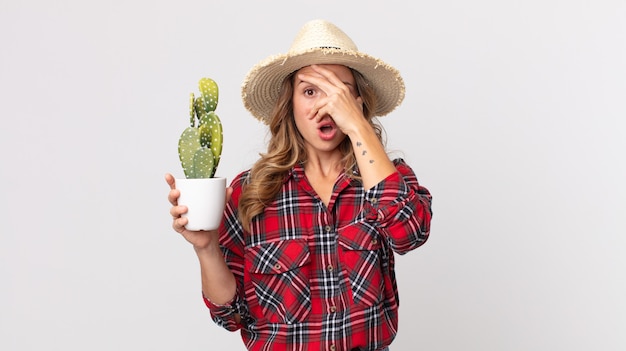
(200, 144)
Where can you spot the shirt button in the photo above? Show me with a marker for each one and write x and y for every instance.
(333, 309)
(373, 200)
(332, 347)
(277, 266)
(374, 241)
(330, 268)
(327, 229)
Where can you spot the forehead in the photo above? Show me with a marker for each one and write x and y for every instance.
(344, 73)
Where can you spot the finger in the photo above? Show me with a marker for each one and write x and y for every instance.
(359, 101)
(329, 75)
(229, 192)
(173, 196)
(170, 180)
(179, 224)
(178, 211)
(317, 111)
(319, 81)
(321, 113)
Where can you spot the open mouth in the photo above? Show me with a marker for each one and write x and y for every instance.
(326, 129)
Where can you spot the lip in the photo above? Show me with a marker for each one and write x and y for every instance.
(327, 130)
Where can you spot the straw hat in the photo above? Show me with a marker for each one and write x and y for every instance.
(319, 42)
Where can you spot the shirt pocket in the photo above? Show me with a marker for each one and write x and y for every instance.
(279, 273)
(360, 256)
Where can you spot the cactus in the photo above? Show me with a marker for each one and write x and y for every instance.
(200, 144)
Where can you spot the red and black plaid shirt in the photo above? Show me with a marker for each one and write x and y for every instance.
(317, 277)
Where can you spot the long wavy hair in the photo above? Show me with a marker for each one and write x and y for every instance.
(286, 149)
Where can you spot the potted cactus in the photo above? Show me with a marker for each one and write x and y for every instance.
(199, 150)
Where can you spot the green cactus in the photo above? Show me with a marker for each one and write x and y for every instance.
(200, 144)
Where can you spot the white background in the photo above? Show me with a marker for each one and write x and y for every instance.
(514, 119)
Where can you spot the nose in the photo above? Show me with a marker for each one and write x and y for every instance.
(326, 117)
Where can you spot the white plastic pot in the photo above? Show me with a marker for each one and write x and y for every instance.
(205, 199)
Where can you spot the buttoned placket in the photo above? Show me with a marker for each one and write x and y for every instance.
(329, 237)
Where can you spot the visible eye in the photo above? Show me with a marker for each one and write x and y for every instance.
(309, 92)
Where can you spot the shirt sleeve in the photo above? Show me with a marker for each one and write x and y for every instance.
(227, 316)
(400, 208)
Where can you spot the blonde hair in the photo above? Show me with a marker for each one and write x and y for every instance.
(286, 149)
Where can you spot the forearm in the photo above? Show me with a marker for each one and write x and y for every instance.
(374, 164)
(218, 282)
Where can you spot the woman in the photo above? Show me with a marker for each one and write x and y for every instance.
(304, 257)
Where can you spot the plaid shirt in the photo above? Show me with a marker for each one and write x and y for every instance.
(317, 277)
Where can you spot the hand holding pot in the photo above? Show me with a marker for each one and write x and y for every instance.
(198, 238)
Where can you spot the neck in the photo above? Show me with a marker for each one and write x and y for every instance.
(326, 165)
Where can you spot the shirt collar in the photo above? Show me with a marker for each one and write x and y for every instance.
(297, 173)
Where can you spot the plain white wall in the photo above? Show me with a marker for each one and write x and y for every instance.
(513, 119)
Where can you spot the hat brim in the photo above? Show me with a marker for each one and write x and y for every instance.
(261, 87)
